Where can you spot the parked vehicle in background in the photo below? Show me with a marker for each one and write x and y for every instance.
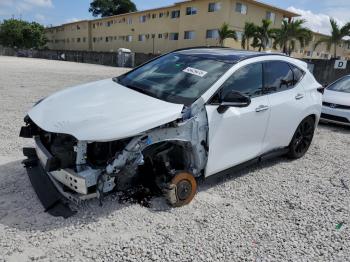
(336, 102)
(187, 114)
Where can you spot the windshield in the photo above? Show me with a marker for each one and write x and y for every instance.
(175, 78)
(342, 85)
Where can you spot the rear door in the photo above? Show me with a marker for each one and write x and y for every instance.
(287, 101)
(236, 136)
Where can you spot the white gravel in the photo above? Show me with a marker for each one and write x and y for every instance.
(279, 211)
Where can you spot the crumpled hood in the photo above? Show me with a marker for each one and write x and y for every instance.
(102, 111)
(334, 97)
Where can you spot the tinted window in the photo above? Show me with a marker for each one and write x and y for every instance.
(298, 74)
(175, 78)
(342, 85)
(247, 80)
(278, 76)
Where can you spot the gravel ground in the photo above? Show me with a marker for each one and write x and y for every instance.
(277, 211)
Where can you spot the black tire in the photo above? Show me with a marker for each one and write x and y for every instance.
(302, 138)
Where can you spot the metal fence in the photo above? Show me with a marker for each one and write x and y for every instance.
(326, 71)
(323, 70)
(101, 58)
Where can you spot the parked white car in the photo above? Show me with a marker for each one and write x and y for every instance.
(336, 102)
(187, 114)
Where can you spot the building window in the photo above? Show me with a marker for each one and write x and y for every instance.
(175, 14)
(93, 26)
(142, 38)
(309, 53)
(78, 40)
(161, 15)
(212, 34)
(109, 23)
(189, 35)
(84, 39)
(241, 8)
(143, 18)
(174, 36)
(271, 16)
(78, 27)
(154, 16)
(160, 36)
(213, 7)
(191, 11)
(129, 38)
(239, 35)
(129, 22)
(107, 39)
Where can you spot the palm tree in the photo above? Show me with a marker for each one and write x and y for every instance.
(225, 32)
(290, 33)
(248, 33)
(337, 35)
(262, 35)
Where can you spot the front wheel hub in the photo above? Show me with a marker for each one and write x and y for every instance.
(183, 188)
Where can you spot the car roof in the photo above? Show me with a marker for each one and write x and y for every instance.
(227, 55)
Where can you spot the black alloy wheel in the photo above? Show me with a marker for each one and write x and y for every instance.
(302, 138)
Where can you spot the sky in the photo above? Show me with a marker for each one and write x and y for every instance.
(56, 12)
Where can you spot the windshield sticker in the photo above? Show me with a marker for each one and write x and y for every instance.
(194, 71)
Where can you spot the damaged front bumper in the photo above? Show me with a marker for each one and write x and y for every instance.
(49, 195)
(53, 185)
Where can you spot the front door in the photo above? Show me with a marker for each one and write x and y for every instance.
(237, 135)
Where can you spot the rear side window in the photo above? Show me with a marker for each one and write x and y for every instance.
(278, 76)
(247, 80)
(298, 73)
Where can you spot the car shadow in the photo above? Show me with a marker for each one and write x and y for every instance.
(215, 180)
(338, 128)
(21, 209)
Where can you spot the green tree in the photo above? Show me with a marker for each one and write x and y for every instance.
(337, 35)
(105, 8)
(225, 32)
(262, 35)
(248, 33)
(22, 34)
(289, 34)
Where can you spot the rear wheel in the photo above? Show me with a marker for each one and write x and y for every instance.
(302, 138)
(183, 188)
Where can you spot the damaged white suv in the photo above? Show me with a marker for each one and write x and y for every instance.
(187, 114)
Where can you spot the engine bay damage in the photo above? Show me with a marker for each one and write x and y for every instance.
(82, 170)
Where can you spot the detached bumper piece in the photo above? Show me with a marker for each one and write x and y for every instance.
(46, 191)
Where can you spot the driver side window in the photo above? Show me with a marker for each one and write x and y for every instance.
(247, 80)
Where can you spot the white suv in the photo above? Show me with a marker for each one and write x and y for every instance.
(187, 114)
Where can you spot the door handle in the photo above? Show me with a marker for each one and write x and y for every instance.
(261, 108)
(299, 96)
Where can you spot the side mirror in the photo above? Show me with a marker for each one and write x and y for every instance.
(233, 99)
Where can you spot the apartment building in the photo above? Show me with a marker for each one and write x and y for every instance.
(184, 24)
(321, 51)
